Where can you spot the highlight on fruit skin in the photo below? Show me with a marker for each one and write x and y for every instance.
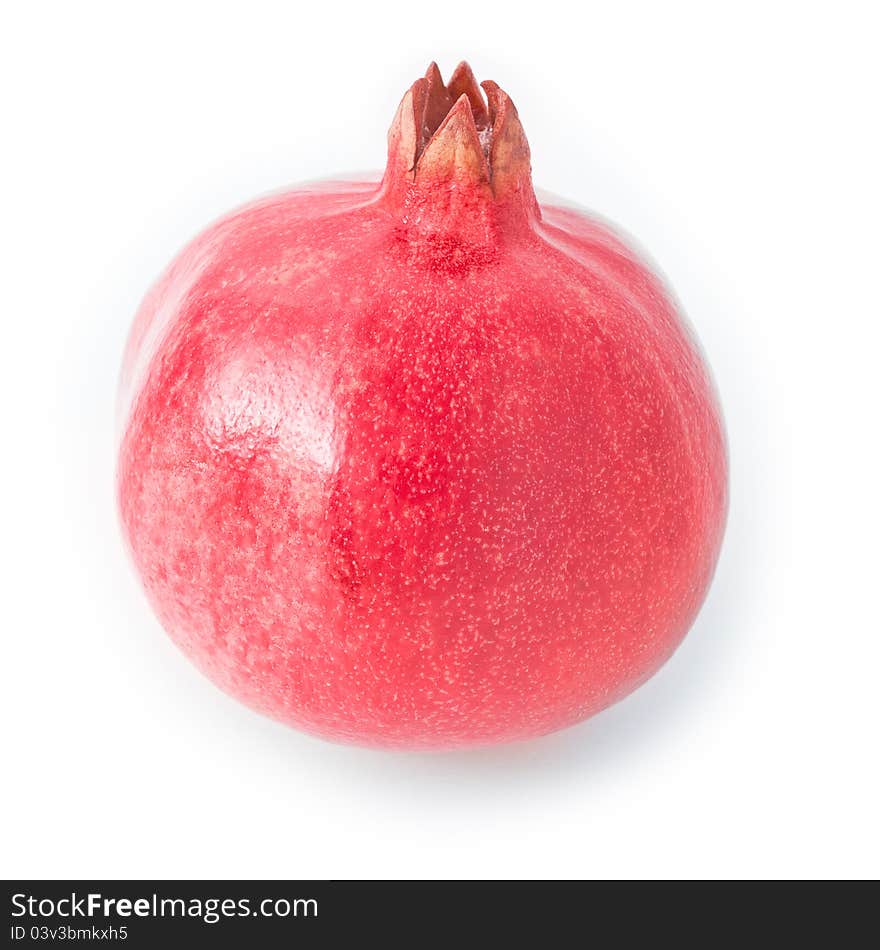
(419, 462)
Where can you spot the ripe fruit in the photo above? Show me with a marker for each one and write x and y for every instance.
(421, 463)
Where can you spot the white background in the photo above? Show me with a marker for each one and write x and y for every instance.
(740, 147)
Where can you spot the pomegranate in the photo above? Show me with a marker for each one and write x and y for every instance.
(419, 462)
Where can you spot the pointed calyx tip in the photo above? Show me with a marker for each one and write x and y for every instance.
(451, 130)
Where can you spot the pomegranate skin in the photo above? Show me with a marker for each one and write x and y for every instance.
(421, 463)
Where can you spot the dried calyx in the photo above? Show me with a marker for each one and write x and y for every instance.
(449, 131)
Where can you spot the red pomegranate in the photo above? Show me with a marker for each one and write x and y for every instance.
(421, 462)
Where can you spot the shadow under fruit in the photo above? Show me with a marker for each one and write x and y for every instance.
(421, 463)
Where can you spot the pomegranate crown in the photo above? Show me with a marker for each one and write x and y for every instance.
(449, 132)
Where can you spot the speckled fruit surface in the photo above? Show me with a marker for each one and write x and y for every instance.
(419, 462)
